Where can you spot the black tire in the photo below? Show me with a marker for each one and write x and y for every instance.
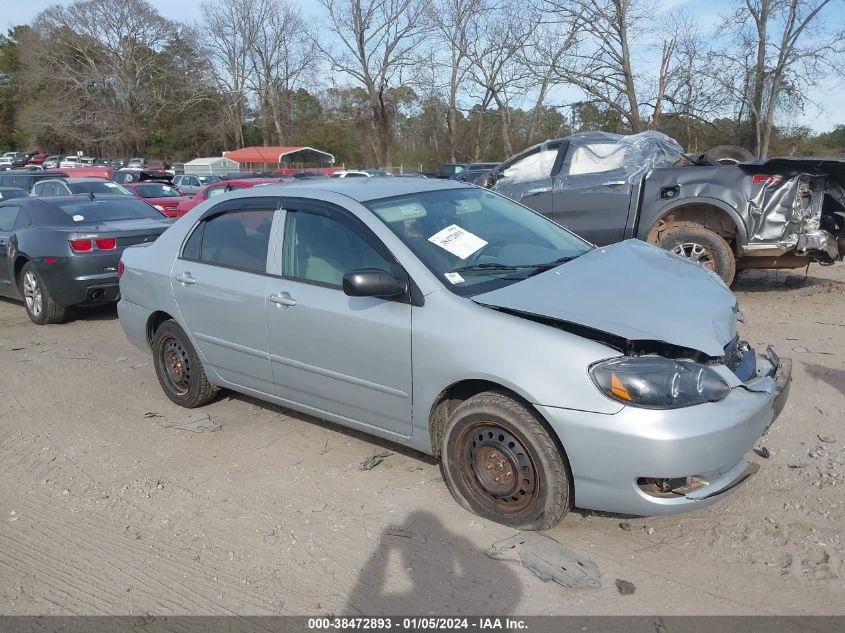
(729, 154)
(703, 246)
(40, 306)
(178, 368)
(495, 430)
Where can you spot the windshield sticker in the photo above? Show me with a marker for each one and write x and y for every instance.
(457, 241)
(78, 218)
(454, 278)
(111, 185)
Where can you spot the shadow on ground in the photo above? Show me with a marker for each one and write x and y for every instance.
(378, 442)
(833, 377)
(778, 280)
(422, 568)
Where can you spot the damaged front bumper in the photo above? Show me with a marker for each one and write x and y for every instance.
(650, 462)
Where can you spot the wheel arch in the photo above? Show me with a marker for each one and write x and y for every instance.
(456, 393)
(17, 267)
(154, 322)
(711, 213)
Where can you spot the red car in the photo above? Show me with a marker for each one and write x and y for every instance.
(162, 195)
(214, 189)
(36, 159)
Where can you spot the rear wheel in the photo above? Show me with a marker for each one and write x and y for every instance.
(499, 462)
(702, 246)
(178, 368)
(39, 303)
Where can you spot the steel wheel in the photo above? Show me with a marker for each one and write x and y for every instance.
(498, 468)
(177, 365)
(32, 294)
(698, 253)
(499, 461)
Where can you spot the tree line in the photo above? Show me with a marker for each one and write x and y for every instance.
(414, 82)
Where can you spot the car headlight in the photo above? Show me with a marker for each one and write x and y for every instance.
(159, 207)
(655, 382)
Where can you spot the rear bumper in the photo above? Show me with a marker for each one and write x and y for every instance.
(649, 462)
(133, 320)
(70, 284)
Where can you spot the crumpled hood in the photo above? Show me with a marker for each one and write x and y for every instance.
(632, 290)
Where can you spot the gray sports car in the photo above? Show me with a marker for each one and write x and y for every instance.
(63, 251)
(544, 372)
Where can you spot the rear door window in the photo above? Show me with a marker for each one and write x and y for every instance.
(234, 239)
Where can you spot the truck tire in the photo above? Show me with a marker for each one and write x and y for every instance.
(702, 246)
(729, 154)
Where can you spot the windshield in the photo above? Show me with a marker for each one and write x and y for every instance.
(98, 187)
(157, 191)
(110, 210)
(207, 180)
(475, 240)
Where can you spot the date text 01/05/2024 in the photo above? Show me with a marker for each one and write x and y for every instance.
(416, 623)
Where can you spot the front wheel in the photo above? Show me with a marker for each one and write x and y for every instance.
(499, 462)
(702, 246)
(39, 303)
(178, 367)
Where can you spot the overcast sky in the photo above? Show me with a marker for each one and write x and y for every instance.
(826, 103)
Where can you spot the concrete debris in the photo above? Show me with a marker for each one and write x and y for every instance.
(548, 560)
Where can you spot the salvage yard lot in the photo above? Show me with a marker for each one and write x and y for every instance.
(104, 509)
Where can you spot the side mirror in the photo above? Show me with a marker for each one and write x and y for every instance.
(373, 282)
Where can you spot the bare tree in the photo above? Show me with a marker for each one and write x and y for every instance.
(454, 20)
(545, 55)
(116, 68)
(230, 37)
(775, 46)
(376, 42)
(281, 54)
(601, 63)
(497, 67)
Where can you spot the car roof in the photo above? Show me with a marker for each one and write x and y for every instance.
(71, 179)
(363, 189)
(58, 200)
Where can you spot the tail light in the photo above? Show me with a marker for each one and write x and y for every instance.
(120, 268)
(81, 246)
(761, 179)
(86, 246)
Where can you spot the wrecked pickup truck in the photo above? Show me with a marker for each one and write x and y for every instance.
(779, 213)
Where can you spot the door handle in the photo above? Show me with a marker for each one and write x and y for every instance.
(186, 279)
(283, 299)
(613, 182)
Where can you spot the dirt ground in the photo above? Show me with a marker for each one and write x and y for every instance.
(103, 510)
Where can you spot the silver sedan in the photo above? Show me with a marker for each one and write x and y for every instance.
(542, 371)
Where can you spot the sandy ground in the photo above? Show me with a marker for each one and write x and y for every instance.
(105, 511)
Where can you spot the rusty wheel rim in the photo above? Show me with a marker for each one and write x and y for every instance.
(176, 363)
(698, 253)
(497, 468)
